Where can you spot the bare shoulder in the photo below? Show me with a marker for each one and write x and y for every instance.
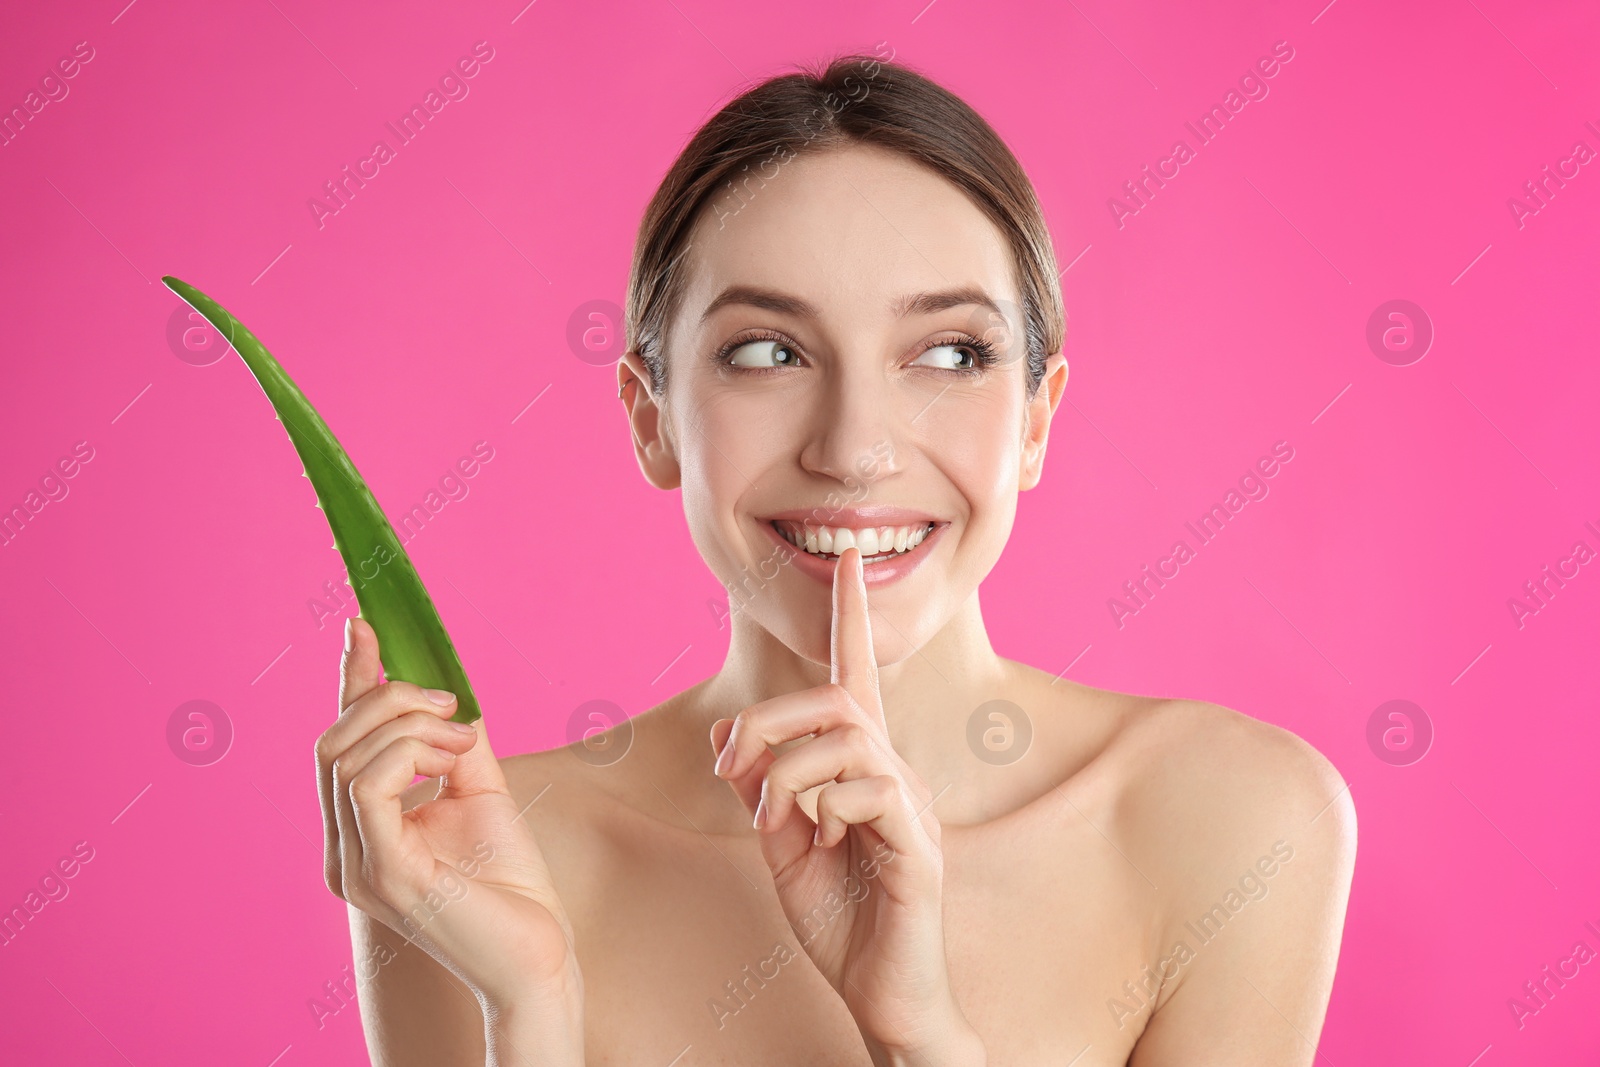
(1195, 786)
(1223, 810)
(1224, 784)
(1225, 760)
(600, 786)
(1247, 835)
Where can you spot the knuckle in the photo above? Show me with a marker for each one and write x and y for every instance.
(363, 790)
(826, 803)
(885, 787)
(743, 722)
(417, 723)
(402, 694)
(782, 779)
(855, 736)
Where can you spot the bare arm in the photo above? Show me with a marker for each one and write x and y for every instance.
(1259, 933)
(463, 952)
(414, 1011)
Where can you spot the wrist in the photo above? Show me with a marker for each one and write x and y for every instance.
(541, 1026)
(947, 1040)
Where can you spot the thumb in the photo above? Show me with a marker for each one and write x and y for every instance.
(360, 670)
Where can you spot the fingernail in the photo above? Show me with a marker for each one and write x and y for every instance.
(463, 727)
(441, 697)
(349, 635)
(443, 752)
(761, 814)
(816, 838)
(724, 761)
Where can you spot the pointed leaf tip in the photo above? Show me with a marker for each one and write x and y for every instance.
(413, 641)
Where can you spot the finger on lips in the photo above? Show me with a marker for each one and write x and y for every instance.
(850, 648)
(844, 719)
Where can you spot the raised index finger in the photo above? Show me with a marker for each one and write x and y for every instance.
(853, 666)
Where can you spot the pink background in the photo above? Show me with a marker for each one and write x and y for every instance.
(428, 313)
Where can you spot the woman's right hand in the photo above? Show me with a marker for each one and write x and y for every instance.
(501, 930)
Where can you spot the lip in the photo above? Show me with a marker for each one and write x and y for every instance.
(876, 574)
(855, 517)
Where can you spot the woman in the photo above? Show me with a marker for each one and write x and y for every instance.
(845, 333)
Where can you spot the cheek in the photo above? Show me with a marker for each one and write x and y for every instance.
(724, 444)
(976, 442)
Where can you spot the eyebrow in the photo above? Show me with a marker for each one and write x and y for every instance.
(914, 304)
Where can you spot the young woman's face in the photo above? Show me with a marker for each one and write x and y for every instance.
(848, 355)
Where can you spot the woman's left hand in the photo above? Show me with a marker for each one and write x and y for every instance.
(861, 885)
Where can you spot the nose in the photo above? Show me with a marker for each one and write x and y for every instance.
(853, 435)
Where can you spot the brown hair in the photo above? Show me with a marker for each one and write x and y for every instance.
(853, 99)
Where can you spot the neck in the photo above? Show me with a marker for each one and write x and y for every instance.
(926, 696)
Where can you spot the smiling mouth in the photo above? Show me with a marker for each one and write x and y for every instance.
(875, 543)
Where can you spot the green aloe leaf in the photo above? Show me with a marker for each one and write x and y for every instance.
(412, 641)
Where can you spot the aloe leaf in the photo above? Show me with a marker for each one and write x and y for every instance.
(412, 641)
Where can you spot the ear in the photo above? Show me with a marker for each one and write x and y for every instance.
(652, 439)
(1041, 409)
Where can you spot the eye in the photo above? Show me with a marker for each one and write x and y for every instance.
(949, 357)
(763, 354)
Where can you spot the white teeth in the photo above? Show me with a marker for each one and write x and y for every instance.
(873, 541)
